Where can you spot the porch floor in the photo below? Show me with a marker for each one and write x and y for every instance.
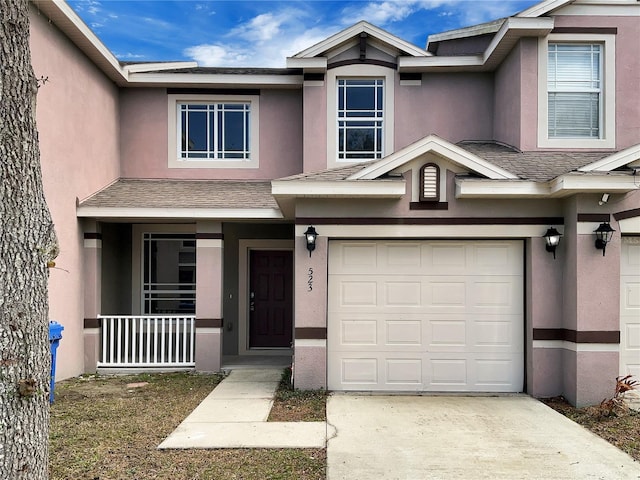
(235, 362)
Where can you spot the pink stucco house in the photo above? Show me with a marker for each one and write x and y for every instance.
(183, 198)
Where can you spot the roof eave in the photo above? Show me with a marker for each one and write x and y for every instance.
(562, 186)
(148, 213)
(338, 189)
(63, 16)
(511, 31)
(214, 80)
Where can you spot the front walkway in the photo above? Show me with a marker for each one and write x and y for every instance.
(235, 413)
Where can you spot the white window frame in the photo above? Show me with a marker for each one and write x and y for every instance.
(174, 131)
(607, 125)
(355, 72)
(345, 121)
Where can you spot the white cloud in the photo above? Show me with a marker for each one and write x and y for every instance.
(261, 28)
(263, 41)
(217, 55)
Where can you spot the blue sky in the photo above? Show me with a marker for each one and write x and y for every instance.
(242, 33)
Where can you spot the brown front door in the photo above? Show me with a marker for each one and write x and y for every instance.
(270, 298)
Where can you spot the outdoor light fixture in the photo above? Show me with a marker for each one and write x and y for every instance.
(552, 238)
(603, 236)
(311, 235)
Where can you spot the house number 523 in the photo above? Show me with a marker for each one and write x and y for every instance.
(310, 280)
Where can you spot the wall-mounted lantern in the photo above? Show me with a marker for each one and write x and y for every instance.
(603, 236)
(552, 239)
(311, 236)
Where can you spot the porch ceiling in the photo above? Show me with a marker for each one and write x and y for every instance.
(136, 198)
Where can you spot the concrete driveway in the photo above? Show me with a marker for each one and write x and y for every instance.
(456, 437)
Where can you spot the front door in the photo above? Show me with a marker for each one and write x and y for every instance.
(270, 298)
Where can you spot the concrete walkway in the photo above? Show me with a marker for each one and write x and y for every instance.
(235, 413)
(449, 437)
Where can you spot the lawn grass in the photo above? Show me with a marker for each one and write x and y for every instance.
(103, 428)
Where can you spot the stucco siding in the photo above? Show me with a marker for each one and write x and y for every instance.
(454, 106)
(144, 141)
(507, 101)
(77, 116)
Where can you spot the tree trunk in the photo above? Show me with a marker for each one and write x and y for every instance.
(27, 246)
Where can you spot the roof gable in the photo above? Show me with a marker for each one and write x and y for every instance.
(437, 145)
(346, 35)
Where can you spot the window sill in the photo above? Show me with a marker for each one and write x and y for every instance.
(213, 164)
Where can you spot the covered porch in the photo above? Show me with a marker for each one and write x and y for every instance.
(198, 285)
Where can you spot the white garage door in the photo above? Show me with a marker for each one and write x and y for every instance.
(630, 307)
(426, 316)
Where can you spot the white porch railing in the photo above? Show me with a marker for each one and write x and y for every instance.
(143, 341)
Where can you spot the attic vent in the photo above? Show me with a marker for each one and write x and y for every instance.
(430, 183)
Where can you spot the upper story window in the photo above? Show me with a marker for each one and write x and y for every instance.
(576, 91)
(360, 119)
(213, 131)
(574, 83)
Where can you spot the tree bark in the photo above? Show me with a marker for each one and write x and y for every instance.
(27, 246)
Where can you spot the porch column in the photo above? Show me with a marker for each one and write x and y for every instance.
(592, 312)
(92, 272)
(310, 343)
(209, 269)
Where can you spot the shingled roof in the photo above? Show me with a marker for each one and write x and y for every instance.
(227, 194)
(538, 166)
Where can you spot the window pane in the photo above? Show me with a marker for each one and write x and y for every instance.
(233, 131)
(360, 114)
(574, 115)
(574, 90)
(197, 137)
(215, 131)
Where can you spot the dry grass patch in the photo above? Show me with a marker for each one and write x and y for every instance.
(620, 428)
(292, 405)
(101, 429)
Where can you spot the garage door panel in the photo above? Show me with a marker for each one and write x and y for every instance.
(445, 326)
(630, 307)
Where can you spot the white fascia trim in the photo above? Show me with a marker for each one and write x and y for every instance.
(318, 64)
(543, 8)
(519, 27)
(157, 67)
(511, 30)
(64, 9)
(567, 184)
(339, 189)
(466, 32)
(184, 213)
(432, 143)
(617, 160)
(357, 29)
(407, 64)
(215, 80)
(501, 188)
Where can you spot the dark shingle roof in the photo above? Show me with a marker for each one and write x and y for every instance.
(131, 193)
